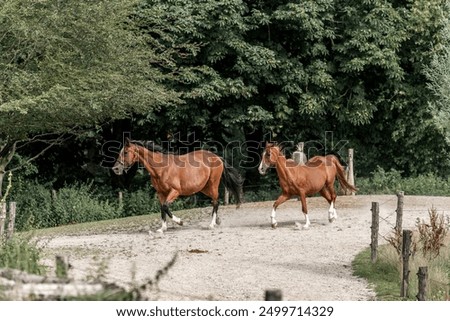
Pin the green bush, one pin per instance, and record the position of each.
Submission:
(77, 204)
(33, 205)
(38, 208)
(390, 182)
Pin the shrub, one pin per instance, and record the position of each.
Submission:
(77, 204)
(34, 205)
(390, 182)
(38, 208)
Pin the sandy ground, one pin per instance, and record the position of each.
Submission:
(244, 256)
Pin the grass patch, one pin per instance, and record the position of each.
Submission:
(381, 275)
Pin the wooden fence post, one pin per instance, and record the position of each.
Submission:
(350, 175)
(406, 252)
(120, 195)
(11, 220)
(273, 295)
(2, 218)
(422, 274)
(299, 156)
(226, 198)
(62, 266)
(375, 226)
(399, 210)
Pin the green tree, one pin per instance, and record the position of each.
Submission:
(438, 74)
(384, 50)
(299, 68)
(69, 64)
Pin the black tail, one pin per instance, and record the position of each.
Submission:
(233, 182)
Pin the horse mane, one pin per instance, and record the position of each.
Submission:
(150, 145)
(338, 156)
(280, 146)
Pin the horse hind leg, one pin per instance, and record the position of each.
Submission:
(330, 196)
(215, 217)
(211, 190)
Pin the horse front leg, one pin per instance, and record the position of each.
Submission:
(165, 211)
(305, 210)
(281, 199)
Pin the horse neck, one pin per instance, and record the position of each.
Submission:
(152, 161)
(281, 168)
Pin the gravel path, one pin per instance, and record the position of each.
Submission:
(244, 256)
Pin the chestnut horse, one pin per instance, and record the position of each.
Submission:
(316, 176)
(181, 175)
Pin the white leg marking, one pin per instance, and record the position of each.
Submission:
(177, 220)
(332, 215)
(306, 226)
(272, 218)
(163, 227)
(213, 221)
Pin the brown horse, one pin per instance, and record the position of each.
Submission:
(316, 176)
(181, 175)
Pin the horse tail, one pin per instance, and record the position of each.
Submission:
(340, 173)
(233, 182)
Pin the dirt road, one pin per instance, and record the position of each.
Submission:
(244, 256)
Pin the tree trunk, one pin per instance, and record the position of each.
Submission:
(2, 174)
(7, 152)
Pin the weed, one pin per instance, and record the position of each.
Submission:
(432, 234)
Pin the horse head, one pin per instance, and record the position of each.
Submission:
(127, 157)
(269, 157)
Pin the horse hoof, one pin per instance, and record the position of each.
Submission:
(160, 231)
(180, 223)
(274, 225)
(331, 220)
(211, 227)
(218, 221)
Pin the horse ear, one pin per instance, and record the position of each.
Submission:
(127, 141)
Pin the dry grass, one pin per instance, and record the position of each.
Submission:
(433, 234)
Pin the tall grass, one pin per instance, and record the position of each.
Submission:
(21, 254)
